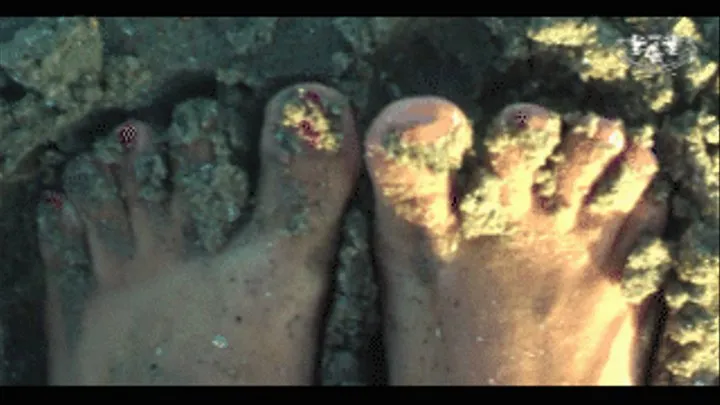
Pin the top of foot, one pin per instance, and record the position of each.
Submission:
(529, 294)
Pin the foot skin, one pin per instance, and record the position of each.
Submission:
(156, 311)
(534, 301)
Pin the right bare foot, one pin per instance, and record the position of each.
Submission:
(514, 286)
(157, 312)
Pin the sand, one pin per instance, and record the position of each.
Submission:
(65, 82)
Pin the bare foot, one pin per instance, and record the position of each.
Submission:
(156, 311)
(518, 284)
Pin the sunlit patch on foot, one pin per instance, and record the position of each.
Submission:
(518, 143)
(588, 149)
(413, 150)
(537, 302)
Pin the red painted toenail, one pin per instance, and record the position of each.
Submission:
(521, 119)
(307, 130)
(312, 97)
(127, 134)
(54, 199)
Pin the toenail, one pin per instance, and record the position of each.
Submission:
(521, 119)
(312, 119)
(54, 199)
(307, 131)
(312, 97)
(523, 116)
(444, 151)
(126, 135)
(529, 128)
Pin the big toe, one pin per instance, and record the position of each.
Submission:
(413, 150)
(310, 160)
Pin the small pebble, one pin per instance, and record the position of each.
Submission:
(220, 342)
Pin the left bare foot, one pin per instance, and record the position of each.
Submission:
(159, 313)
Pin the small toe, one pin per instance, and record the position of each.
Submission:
(143, 185)
(617, 194)
(519, 142)
(61, 234)
(648, 219)
(193, 168)
(209, 191)
(92, 190)
(588, 149)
